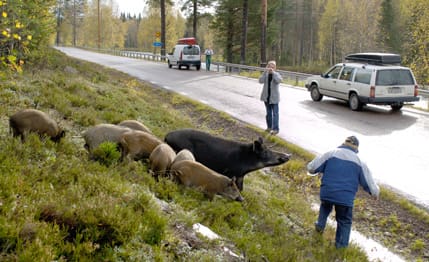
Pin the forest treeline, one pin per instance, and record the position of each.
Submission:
(303, 35)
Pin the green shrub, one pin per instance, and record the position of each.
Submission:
(107, 153)
(418, 245)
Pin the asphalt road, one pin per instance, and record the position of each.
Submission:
(393, 144)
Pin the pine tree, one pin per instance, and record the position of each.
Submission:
(389, 36)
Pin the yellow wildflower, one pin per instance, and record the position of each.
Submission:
(18, 24)
(16, 36)
(29, 37)
(5, 33)
(4, 14)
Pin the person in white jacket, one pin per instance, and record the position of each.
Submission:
(208, 52)
(342, 173)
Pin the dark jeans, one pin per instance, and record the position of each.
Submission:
(343, 216)
(208, 62)
(272, 116)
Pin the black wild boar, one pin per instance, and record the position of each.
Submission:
(194, 174)
(227, 157)
(32, 120)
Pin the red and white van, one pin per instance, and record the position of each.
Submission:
(185, 53)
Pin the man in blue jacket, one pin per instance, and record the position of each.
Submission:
(342, 173)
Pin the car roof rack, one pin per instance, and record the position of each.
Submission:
(375, 58)
(187, 41)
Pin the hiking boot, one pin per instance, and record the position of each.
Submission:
(318, 229)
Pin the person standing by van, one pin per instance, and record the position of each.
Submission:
(271, 96)
(209, 52)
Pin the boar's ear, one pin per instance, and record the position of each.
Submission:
(257, 144)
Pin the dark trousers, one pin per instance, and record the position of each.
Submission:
(343, 216)
(272, 116)
(208, 62)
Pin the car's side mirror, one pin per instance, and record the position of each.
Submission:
(170, 53)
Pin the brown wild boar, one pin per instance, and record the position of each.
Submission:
(100, 133)
(135, 125)
(160, 160)
(184, 154)
(138, 144)
(32, 120)
(195, 174)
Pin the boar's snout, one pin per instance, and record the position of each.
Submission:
(283, 158)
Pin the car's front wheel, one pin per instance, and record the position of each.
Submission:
(169, 65)
(354, 102)
(315, 94)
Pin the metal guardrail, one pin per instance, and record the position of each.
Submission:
(237, 68)
(424, 92)
(133, 54)
(218, 66)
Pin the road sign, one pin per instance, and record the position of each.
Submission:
(157, 44)
(158, 34)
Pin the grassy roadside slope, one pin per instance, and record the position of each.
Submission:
(55, 204)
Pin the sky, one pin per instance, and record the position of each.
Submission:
(130, 6)
(134, 6)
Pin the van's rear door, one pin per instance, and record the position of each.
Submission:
(191, 53)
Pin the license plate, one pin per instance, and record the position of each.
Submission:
(394, 90)
(190, 56)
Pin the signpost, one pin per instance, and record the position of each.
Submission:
(157, 42)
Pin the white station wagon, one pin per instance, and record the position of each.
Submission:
(367, 78)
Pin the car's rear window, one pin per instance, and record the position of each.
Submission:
(394, 77)
(191, 50)
(363, 76)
